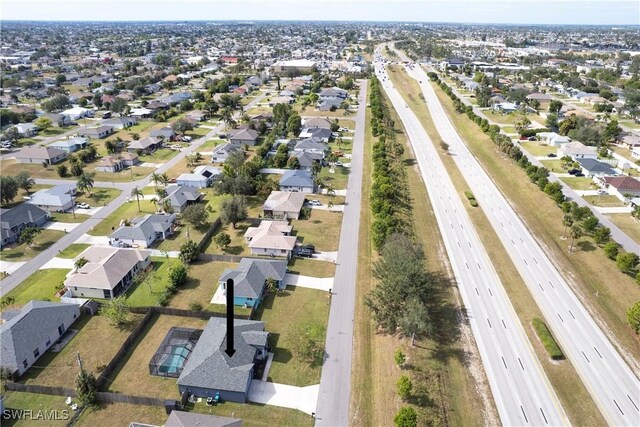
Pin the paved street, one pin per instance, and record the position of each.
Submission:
(41, 259)
(612, 384)
(335, 382)
(521, 390)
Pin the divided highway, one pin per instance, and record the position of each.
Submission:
(610, 381)
(521, 390)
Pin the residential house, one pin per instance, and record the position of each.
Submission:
(306, 159)
(121, 122)
(181, 196)
(222, 152)
(165, 133)
(505, 107)
(330, 104)
(243, 136)
(110, 164)
(197, 115)
(271, 238)
(202, 177)
(58, 198)
(108, 272)
(76, 113)
(26, 129)
(298, 180)
(577, 150)
(321, 134)
(192, 419)
(629, 140)
(145, 145)
(543, 98)
(70, 145)
(32, 331)
(553, 139)
(253, 81)
(58, 120)
(144, 232)
(451, 62)
(176, 98)
(283, 204)
(332, 93)
(250, 279)
(635, 153)
(210, 372)
(288, 100)
(317, 122)
(593, 167)
(16, 219)
(96, 132)
(40, 155)
(623, 187)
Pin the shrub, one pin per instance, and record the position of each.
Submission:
(400, 357)
(611, 250)
(547, 339)
(404, 387)
(195, 306)
(178, 275)
(627, 261)
(406, 417)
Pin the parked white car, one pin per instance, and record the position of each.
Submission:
(315, 203)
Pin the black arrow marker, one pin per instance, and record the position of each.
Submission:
(230, 350)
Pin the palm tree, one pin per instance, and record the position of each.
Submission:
(85, 183)
(567, 221)
(271, 285)
(136, 192)
(227, 116)
(164, 179)
(576, 233)
(166, 206)
(155, 178)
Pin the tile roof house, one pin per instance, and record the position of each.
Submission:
(40, 155)
(181, 196)
(622, 186)
(243, 136)
(58, 198)
(108, 273)
(202, 177)
(146, 145)
(333, 92)
(222, 152)
(577, 150)
(70, 145)
(31, 332)
(298, 180)
(144, 232)
(192, 419)
(209, 371)
(593, 167)
(250, 278)
(16, 219)
(272, 238)
(283, 204)
(117, 162)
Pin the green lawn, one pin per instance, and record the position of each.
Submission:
(147, 293)
(23, 252)
(69, 217)
(53, 131)
(73, 250)
(99, 197)
(627, 224)
(238, 244)
(555, 165)
(310, 267)
(537, 149)
(322, 229)
(124, 175)
(201, 285)
(604, 201)
(210, 145)
(338, 179)
(284, 315)
(41, 285)
(159, 156)
(580, 183)
(34, 403)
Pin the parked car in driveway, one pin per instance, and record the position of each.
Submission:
(311, 248)
(305, 253)
(315, 203)
(552, 155)
(574, 171)
(83, 206)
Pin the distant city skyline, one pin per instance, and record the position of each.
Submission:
(559, 12)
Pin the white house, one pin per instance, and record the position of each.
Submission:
(202, 177)
(577, 150)
(58, 198)
(271, 238)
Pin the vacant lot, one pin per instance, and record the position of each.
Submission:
(605, 201)
(310, 267)
(60, 369)
(322, 229)
(238, 245)
(201, 285)
(155, 282)
(627, 224)
(34, 403)
(127, 211)
(132, 377)
(24, 252)
(338, 179)
(580, 183)
(285, 315)
(41, 285)
(73, 250)
(121, 415)
(537, 149)
(98, 197)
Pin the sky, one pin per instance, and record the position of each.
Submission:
(602, 12)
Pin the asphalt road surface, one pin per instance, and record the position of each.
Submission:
(335, 381)
(521, 390)
(612, 384)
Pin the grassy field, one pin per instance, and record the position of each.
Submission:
(627, 224)
(133, 173)
(310, 267)
(121, 415)
(132, 376)
(338, 179)
(35, 402)
(98, 197)
(201, 285)
(555, 165)
(605, 201)
(159, 156)
(147, 293)
(210, 145)
(580, 183)
(537, 149)
(322, 229)
(127, 211)
(284, 315)
(511, 119)
(40, 285)
(69, 217)
(60, 369)
(373, 401)
(24, 252)
(238, 245)
(73, 250)
(588, 271)
(570, 390)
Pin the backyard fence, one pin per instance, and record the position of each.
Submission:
(217, 257)
(127, 398)
(40, 389)
(207, 236)
(168, 311)
(103, 379)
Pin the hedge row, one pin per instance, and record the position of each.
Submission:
(547, 339)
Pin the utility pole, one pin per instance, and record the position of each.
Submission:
(79, 359)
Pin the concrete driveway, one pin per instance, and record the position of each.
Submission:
(10, 267)
(326, 256)
(57, 262)
(322, 284)
(60, 226)
(286, 396)
(334, 208)
(93, 240)
(614, 210)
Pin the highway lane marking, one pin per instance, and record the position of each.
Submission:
(505, 364)
(551, 284)
(585, 356)
(489, 289)
(525, 415)
(633, 403)
(560, 317)
(618, 406)
(543, 416)
(477, 292)
(541, 287)
(574, 317)
(598, 353)
(505, 326)
(489, 322)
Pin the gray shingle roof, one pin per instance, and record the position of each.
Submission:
(179, 195)
(21, 214)
(210, 367)
(593, 165)
(192, 419)
(297, 178)
(251, 274)
(37, 321)
(145, 227)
